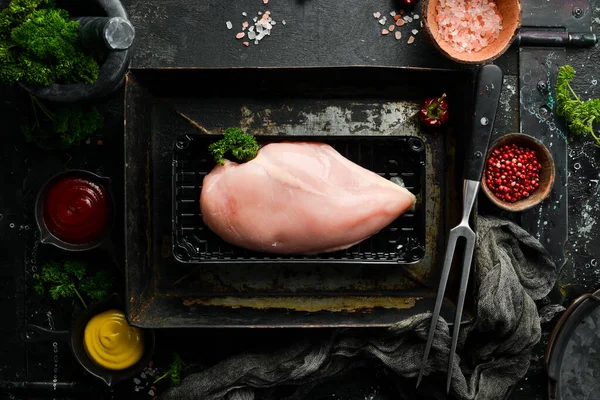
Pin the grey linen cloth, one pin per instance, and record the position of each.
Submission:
(513, 270)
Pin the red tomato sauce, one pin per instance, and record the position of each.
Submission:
(77, 210)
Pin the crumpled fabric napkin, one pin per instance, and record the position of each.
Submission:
(513, 270)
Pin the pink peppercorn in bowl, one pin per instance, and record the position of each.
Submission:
(469, 31)
(519, 172)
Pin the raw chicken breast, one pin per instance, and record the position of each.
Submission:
(299, 198)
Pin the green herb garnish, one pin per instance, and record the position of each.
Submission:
(242, 145)
(68, 279)
(40, 45)
(174, 372)
(579, 115)
(61, 126)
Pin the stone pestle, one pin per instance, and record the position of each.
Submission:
(112, 34)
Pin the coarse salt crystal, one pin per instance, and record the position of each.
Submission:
(245, 14)
(416, 16)
(260, 13)
(251, 29)
(229, 24)
(382, 21)
(251, 34)
(255, 19)
(265, 1)
(400, 22)
(411, 40)
(384, 31)
(377, 14)
(391, 28)
(468, 26)
(408, 19)
(414, 31)
(398, 35)
(393, 13)
(244, 25)
(240, 35)
(246, 43)
(283, 21)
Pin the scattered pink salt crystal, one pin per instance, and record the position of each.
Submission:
(377, 14)
(398, 35)
(246, 44)
(400, 22)
(265, 1)
(240, 35)
(411, 40)
(391, 28)
(244, 25)
(384, 31)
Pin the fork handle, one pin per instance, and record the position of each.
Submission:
(487, 98)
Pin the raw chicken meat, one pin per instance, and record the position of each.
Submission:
(299, 198)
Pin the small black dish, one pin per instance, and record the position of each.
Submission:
(47, 237)
(74, 338)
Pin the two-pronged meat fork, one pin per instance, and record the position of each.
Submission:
(487, 97)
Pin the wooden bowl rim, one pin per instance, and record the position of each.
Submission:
(515, 207)
(432, 39)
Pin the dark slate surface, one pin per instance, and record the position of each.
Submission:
(193, 34)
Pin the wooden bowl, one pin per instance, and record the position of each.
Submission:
(547, 174)
(512, 14)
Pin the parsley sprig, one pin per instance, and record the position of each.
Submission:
(69, 279)
(579, 115)
(174, 372)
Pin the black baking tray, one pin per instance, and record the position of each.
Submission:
(399, 158)
(365, 105)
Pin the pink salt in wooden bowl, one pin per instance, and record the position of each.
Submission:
(512, 14)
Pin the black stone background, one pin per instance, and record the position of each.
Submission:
(190, 33)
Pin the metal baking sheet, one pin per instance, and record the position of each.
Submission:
(322, 103)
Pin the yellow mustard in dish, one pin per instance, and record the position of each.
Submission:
(111, 342)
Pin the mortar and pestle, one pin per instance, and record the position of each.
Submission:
(113, 33)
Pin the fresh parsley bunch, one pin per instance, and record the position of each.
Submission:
(69, 279)
(40, 45)
(60, 125)
(579, 115)
(242, 146)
